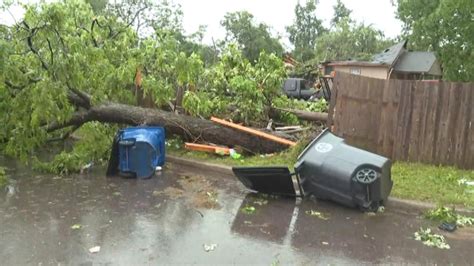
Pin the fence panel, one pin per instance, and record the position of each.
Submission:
(418, 121)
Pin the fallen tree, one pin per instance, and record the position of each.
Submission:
(63, 67)
(190, 128)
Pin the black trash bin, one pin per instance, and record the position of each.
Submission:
(328, 169)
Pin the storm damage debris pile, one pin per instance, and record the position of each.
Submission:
(238, 130)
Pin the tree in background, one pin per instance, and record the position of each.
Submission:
(443, 26)
(350, 40)
(305, 30)
(340, 12)
(251, 37)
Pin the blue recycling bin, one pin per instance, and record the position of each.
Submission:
(141, 150)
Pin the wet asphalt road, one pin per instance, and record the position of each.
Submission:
(169, 218)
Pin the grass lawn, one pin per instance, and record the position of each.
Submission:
(438, 184)
(415, 181)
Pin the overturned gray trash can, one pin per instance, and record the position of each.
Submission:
(328, 169)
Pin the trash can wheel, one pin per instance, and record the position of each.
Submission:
(366, 176)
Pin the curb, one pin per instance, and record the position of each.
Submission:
(218, 168)
(227, 170)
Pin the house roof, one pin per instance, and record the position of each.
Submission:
(416, 62)
(390, 55)
(398, 58)
(352, 63)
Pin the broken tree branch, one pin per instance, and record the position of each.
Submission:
(305, 115)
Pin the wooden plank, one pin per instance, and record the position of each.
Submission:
(391, 103)
(253, 132)
(468, 162)
(445, 141)
(429, 127)
(460, 137)
(465, 157)
(404, 121)
(417, 119)
(454, 122)
(439, 112)
(207, 148)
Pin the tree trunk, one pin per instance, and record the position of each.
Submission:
(190, 128)
(305, 115)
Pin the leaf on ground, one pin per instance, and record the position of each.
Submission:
(76, 226)
(209, 247)
(430, 239)
(248, 209)
(317, 214)
(445, 214)
(95, 249)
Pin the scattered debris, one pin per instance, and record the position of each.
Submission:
(261, 202)
(212, 196)
(380, 209)
(76, 226)
(199, 191)
(234, 155)
(448, 227)
(465, 182)
(248, 209)
(449, 215)
(158, 168)
(287, 128)
(325, 243)
(10, 189)
(95, 249)
(253, 132)
(291, 129)
(86, 168)
(317, 214)
(209, 247)
(174, 143)
(430, 239)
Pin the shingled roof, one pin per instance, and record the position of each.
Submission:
(416, 62)
(390, 55)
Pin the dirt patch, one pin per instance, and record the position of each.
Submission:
(195, 190)
(201, 192)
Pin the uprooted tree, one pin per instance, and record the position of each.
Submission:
(65, 69)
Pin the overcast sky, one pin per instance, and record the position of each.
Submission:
(275, 13)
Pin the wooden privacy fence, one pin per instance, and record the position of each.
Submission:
(420, 121)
